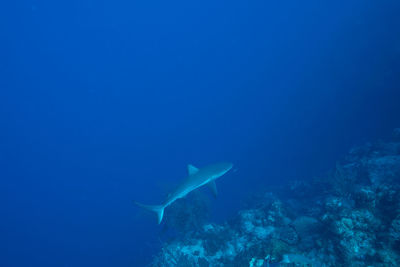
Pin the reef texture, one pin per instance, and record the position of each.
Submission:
(348, 217)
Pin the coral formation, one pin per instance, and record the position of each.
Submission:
(349, 217)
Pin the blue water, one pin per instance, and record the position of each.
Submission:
(105, 102)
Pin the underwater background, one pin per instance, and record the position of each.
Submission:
(106, 102)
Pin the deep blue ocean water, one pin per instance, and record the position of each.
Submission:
(105, 102)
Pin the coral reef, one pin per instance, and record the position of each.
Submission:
(349, 217)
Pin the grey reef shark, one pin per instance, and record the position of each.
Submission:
(197, 177)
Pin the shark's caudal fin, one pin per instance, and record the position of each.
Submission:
(159, 210)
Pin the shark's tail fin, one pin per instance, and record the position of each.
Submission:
(159, 210)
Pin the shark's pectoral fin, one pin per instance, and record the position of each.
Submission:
(192, 169)
(213, 188)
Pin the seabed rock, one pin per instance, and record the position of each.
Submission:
(350, 217)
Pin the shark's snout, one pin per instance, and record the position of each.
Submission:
(227, 165)
(224, 167)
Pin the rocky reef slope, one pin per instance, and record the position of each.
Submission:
(348, 217)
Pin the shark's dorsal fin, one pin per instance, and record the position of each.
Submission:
(192, 169)
(213, 188)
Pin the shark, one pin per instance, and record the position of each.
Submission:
(197, 177)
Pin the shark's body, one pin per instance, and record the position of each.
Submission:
(196, 178)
